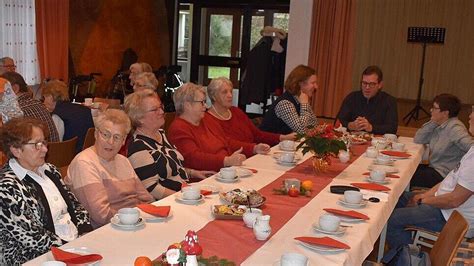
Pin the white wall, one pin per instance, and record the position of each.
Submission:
(299, 33)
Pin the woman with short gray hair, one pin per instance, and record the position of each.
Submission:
(234, 121)
(145, 80)
(201, 140)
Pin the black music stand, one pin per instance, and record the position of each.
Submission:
(422, 35)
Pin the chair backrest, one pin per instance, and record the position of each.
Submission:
(169, 117)
(89, 140)
(113, 103)
(407, 131)
(449, 240)
(60, 154)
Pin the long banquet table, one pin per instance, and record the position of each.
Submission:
(122, 247)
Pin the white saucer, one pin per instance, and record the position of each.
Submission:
(115, 221)
(389, 163)
(180, 199)
(278, 263)
(340, 231)
(386, 181)
(322, 249)
(155, 219)
(242, 172)
(362, 204)
(386, 168)
(226, 180)
(277, 155)
(287, 149)
(286, 163)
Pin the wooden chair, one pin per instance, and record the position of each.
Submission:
(89, 140)
(60, 154)
(113, 103)
(446, 244)
(169, 117)
(406, 131)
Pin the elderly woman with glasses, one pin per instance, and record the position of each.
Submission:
(103, 180)
(447, 138)
(292, 112)
(233, 121)
(201, 140)
(37, 211)
(157, 162)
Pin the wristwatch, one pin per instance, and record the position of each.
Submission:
(418, 202)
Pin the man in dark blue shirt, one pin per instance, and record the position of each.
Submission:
(370, 109)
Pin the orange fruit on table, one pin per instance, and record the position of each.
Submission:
(143, 261)
(307, 185)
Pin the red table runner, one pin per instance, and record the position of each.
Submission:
(232, 240)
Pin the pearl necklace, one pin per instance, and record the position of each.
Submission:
(221, 116)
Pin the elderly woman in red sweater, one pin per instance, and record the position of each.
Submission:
(234, 121)
(201, 140)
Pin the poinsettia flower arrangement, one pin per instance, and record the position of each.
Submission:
(322, 140)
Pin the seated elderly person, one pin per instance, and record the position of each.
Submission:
(70, 119)
(292, 111)
(431, 209)
(370, 109)
(31, 107)
(37, 211)
(200, 139)
(9, 107)
(233, 121)
(145, 80)
(156, 161)
(447, 139)
(103, 180)
(137, 68)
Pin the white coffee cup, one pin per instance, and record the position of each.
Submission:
(397, 146)
(383, 159)
(191, 192)
(128, 215)
(293, 259)
(371, 152)
(329, 222)
(352, 196)
(344, 156)
(287, 157)
(378, 175)
(287, 145)
(88, 101)
(250, 215)
(390, 137)
(379, 143)
(228, 172)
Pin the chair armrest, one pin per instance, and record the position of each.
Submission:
(414, 228)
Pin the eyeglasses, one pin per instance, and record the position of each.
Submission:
(370, 85)
(38, 144)
(203, 102)
(106, 135)
(160, 107)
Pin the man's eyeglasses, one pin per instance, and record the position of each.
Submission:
(203, 102)
(106, 135)
(38, 144)
(369, 84)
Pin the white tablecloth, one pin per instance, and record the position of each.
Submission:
(122, 247)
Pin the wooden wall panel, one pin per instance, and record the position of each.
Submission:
(382, 27)
(100, 30)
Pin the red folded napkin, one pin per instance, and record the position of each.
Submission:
(323, 241)
(371, 186)
(73, 258)
(203, 191)
(388, 175)
(396, 154)
(352, 214)
(160, 211)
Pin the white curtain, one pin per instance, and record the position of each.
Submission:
(18, 37)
